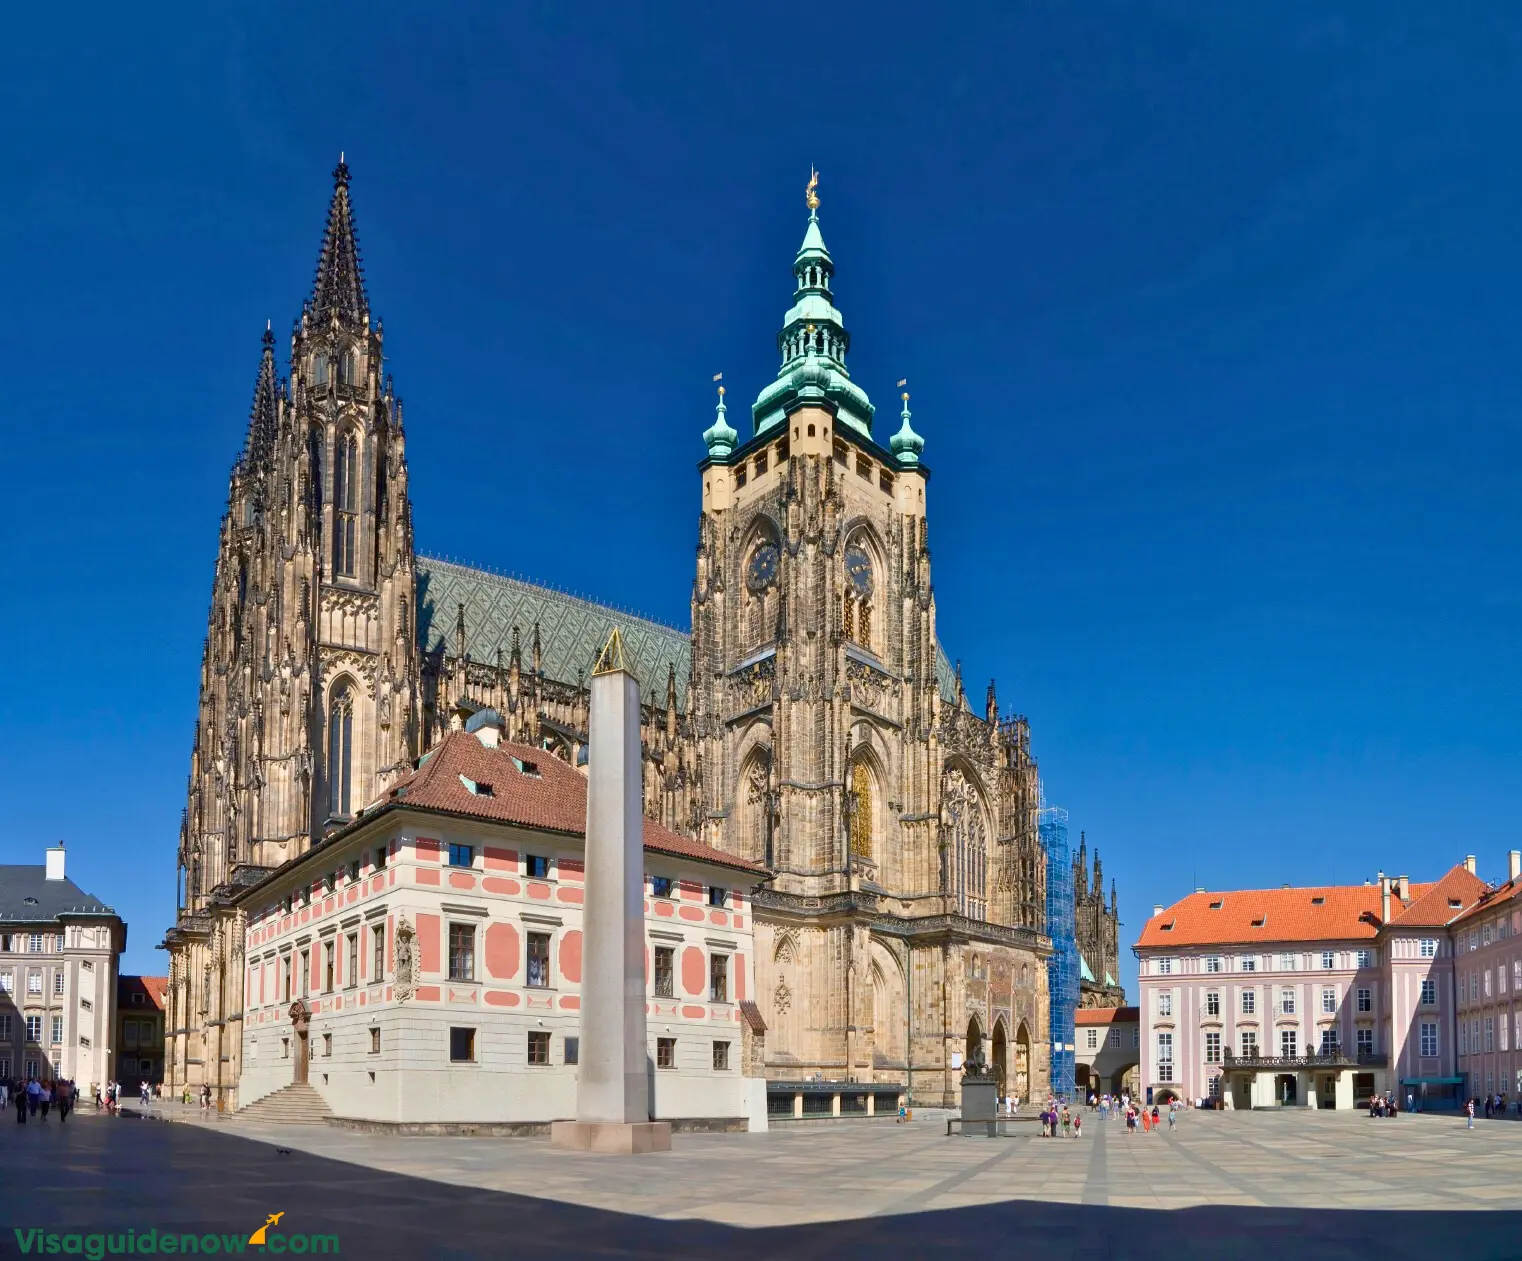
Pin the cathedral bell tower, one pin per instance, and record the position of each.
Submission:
(814, 659)
(309, 674)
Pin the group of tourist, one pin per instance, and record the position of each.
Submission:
(37, 1098)
(1054, 1115)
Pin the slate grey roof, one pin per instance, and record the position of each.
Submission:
(53, 898)
(571, 630)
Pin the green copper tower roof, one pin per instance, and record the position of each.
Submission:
(720, 437)
(813, 343)
(906, 445)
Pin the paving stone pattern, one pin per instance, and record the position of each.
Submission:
(1248, 1184)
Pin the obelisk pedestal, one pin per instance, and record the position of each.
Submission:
(612, 1089)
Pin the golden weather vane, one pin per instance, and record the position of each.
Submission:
(810, 197)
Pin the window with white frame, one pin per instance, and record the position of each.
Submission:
(1363, 1040)
(1289, 1043)
(1474, 987)
(1288, 962)
(34, 982)
(1212, 1048)
(1365, 999)
(1463, 1037)
(1474, 938)
(1287, 1002)
(1328, 959)
(1490, 1033)
(1328, 1000)
(58, 980)
(1115, 1038)
(1213, 1003)
(1474, 1037)
(1429, 992)
(1249, 1002)
(1502, 1028)
(1092, 1039)
(1330, 1042)
(1165, 967)
(1249, 1039)
(1500, 978)
(1484, 934)
(1164, 1003)
(1428, 947)
(1212, 963)
(1365, 959)
(1429, 1038)
(1249, 963)
(1136, 1038)
(1487, 983)
(1165, 1057)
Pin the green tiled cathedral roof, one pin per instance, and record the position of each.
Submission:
(571, 630)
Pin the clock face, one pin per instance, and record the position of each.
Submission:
(859, 572)
(762, 570)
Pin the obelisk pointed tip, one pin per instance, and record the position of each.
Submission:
(611, 659)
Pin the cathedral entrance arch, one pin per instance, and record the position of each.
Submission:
(1022, 1062)
(1000, 1057)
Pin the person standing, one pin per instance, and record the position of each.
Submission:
(19, 1099)
(45, 1100)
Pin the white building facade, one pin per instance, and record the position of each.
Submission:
(59, 949)
(423, 965)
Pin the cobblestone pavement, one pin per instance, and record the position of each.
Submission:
(1312, 1184)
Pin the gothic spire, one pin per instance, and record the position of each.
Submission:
(263, 418)
(340, 284)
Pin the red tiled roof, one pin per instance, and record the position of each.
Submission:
(1435, 907)
(1321, 913)
(155, 987)
(527, 786)
(1489, 900)
(1106, 1015)
(1344, 912)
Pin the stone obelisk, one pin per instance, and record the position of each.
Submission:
(612, 1088)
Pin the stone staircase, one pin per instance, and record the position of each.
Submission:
(296, 1104)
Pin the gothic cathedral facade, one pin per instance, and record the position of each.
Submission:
(809, 720)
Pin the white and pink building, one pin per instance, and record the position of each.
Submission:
(1320, 996)
(422, 966)
(1487, 964)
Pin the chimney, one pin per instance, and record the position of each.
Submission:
(1513, 864)
(55, 861)
(1469, 863)
(1384, 898)
(1403, 885)
(1157, 910)
(487, 727)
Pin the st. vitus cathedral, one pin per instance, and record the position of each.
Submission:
(810, 720)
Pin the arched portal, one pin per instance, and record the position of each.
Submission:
(1000, 1059)
(1022, 1062)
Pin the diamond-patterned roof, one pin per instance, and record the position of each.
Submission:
(571, 630)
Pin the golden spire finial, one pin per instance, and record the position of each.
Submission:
(810, 197)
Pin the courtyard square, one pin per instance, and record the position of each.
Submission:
(1225, 1185)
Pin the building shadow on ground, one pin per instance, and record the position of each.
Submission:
(107, 1177)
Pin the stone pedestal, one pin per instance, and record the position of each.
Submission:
(614, 1139)
(612, 1082)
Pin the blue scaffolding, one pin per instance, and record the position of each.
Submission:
(1062, 967)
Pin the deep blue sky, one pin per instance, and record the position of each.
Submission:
(1210, 313)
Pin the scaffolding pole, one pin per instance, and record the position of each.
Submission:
(1062, 967)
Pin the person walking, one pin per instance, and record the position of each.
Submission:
(45, 1101)
(65, 1100)
(33, 1096)
(1469, 1108)
(19, 1099)
(1078, 1126)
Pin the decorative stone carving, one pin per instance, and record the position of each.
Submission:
(406, 959)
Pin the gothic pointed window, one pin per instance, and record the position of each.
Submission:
(964, 833)
(341, 751)
(320, 368)
(856, 617)
(345, 505)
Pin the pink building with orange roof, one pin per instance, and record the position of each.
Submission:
(422, 965)
(1321, 996)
